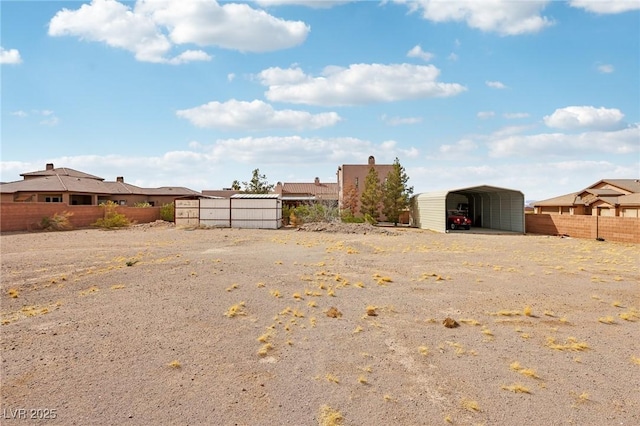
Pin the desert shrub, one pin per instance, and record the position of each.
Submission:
(167, 212)
(112, 219)
(142, 204)
(57, 222)
(370, 219)
(315, 212)
(348, 217)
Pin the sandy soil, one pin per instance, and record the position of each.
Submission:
(230, 327)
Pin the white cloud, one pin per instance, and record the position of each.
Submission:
(204, 23)
(356, 85)
(606, 6)
(505, 17)
(548, 145)
(452, 57)
(189, 56)
(50, 118)
(10, 56)
(605, 68)
(314, 4)
(231, 77)
(417, 52)
(400, 121)
(585, 117)
(483, 115)
(462, 147)
(495, 84)
(255, 115)
(515, 115)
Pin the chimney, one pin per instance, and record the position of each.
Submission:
(372, 160)
(317, 181)
(120, 179)
(49, 166)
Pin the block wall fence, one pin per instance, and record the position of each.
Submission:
(620, 229)
(27, 216)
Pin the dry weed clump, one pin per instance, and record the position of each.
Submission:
(371, 311)
(529, 372)
(516, 388)
(235, 310)
(13, 293)
(470, 405)
(329, 417)
(571, 344)
(333, 312)
(175, 364)
(607, 320)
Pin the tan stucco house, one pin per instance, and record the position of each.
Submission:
(607, 197)
(73, 187)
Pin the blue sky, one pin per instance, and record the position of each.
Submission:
(543, 96)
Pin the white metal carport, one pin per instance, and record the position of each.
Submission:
(489, 207)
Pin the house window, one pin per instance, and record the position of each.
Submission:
(53, 199)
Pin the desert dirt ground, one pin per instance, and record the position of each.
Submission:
(158, 325)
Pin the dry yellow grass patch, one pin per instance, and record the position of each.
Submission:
(423, 350)
(312, 303)
(528, 311)
(235, 310)
(517, 388)
(331, 378)
(529, 372)
(264, 350)
(470, 405)
(506, 313)
(371, 311)
(469, 321)
(358, 329)
(117, 286)
(607, 320)
(362, 379)
(487, 332)
(275, 293)
(175, 364)
(90, 290)
(616, 304)
(629, 316)
(635, 360)
(232, 287)
(329, 417)
(571, 344)
(13, 293)
(297, 296)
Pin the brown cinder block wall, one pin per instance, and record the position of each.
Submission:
(621, 229)
(27, 216)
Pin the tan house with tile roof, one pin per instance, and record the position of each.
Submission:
(607, 197)
(294, 193)
(73, 187)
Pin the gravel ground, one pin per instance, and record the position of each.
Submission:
(338, 324)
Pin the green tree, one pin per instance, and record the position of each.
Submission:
(372, 195)
(396, 193)
(236, 185)
(258, 184)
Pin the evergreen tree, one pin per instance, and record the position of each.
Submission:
(396, 193)
(372, 195)
(258, 184)
(236, 185)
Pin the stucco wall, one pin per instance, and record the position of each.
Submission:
(27, 216)
(622, 229)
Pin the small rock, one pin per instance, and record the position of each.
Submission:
(450, 323)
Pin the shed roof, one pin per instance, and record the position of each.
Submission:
(266, 196)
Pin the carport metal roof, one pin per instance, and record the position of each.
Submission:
(489, 207)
